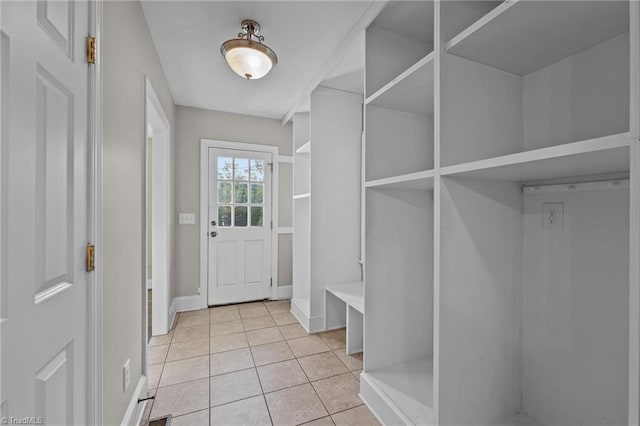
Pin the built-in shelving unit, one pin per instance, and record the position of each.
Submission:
(399, 135)
(326, 200)
(301, 248)
(502, 213)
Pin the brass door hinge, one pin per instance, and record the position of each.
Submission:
(91, 257)
(91, 50)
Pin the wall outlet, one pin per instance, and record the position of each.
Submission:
(126, 375)
(553, 215)
(186, 219)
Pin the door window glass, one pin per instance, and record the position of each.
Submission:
(240, 192)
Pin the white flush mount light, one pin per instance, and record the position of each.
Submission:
(247, 55)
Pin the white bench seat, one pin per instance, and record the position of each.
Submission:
(344, 307)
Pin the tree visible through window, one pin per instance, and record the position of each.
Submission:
(240, 192)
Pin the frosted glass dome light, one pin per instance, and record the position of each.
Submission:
(246, 55)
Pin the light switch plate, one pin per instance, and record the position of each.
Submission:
(186, 219)
(553, 215)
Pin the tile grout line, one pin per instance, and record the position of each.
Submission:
(209, 365)
(155, 394)
(309, 382)
(264, 398)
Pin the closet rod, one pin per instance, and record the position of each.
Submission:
(579, 186)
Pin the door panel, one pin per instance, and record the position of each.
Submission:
(54, 385)
(239, 225)
(227, 263)
(253, 261)
(54, 180)
(43, 208)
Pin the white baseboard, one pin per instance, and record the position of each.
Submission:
(135, 409)
(172, 314)
(310, 324)
(300, 314)
(316, 324)
(283, 292)
(188, 303)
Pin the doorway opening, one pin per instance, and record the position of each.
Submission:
(157, 214)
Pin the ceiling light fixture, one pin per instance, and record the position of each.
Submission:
(247, 55)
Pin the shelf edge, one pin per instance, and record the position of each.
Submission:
(401, 77)
(477, 25)
(305, 148)
(408, 177)
(557, 151)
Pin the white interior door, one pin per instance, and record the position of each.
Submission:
(239, 225)
(44, 309)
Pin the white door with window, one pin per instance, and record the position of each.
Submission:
(44, 105)
(239, 225)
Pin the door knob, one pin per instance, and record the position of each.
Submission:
(213, 234)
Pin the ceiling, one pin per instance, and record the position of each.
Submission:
(306, 36)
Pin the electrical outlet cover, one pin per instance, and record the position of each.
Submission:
(553, 215)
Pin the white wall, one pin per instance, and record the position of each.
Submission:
(128, 54)
(581, 97)
(193, 124)
(575, 310)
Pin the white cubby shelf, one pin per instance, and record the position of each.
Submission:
(482, 307)
(523, 36)
(600, 156)
(419, 180)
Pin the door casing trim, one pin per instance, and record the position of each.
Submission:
(94, 228)
(205, 144)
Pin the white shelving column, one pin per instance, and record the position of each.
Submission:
(327, 200)
(397, 382)
(300, 300)
(534, 315)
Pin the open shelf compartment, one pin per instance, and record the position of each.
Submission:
(534, 312)
(400, 35)
(399, 300)
(569, 81)
(523, 36)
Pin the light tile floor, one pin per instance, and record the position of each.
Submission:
(253, 364)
